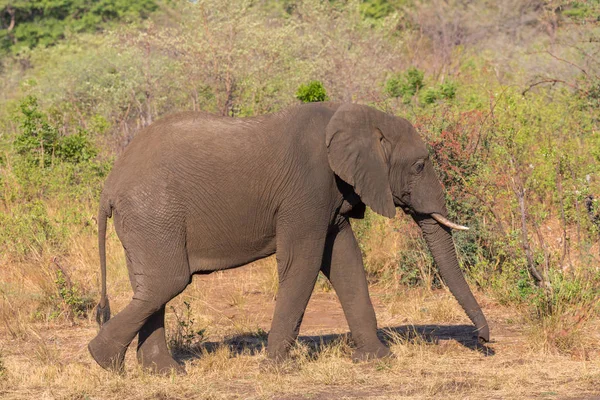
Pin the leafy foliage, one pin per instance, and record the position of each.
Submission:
(38, 138)
(446, 91)
(405, 84)
(69, 300)
(377, 9)
(40, 142)
(31, 23)
(312, 92)
(76, 148)
(186, 333)
(581, 11)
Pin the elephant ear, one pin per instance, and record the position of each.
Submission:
(357, 156)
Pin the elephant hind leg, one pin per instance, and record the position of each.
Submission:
(143, 314)
(152, 351)
(154, 286)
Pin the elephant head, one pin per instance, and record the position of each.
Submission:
(388, 165)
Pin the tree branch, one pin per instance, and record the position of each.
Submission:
(11, 12)
(568, 62)
(520, 192)
(553, 81)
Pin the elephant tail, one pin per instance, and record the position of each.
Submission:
(103, 308)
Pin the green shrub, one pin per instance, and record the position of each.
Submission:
(45, 22)
(312, 92)
(37, 139)
(187, 334)
(582, 12)
(430, 96)
(448, 90)
(405, 84)
(76, 148)
(40, 142)
(376, 9)
(69, 301)
(46, 169)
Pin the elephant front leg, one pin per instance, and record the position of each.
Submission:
(298, 265)
(343, 266)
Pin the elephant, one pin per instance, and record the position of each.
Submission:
(195, 193)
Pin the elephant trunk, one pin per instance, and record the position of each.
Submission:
(439, 240)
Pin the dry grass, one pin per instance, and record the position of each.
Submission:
(62, 369)
(48, 358)
(43, 354)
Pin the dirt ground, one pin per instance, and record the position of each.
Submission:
(436, 356)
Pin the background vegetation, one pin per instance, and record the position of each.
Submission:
(506, 94)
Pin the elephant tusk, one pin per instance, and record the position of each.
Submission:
(444, 221)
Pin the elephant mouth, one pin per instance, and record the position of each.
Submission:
(437, 216)
(402, 203)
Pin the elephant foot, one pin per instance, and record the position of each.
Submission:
(368, 354)
(278, 351)
(109, 354)
(278, 365)
(278, 359)
(159, 363)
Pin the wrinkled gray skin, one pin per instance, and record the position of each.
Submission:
(195, 193)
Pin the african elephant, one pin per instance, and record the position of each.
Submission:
(195, 193)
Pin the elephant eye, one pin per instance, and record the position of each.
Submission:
(419, 166)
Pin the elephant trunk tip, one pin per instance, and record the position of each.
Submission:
(103, 313)
(483, 333)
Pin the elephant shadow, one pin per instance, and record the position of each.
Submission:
(254, 343)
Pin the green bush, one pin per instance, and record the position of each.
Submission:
(37, 139)
(377, 9)
(430, 96)
(416, 266)
(448, 90)
(45, 22)
(312, 92)
(46, 169)
(186, 335)
(69, 301)
(40, 142)
(76, 148)
(405, 84)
